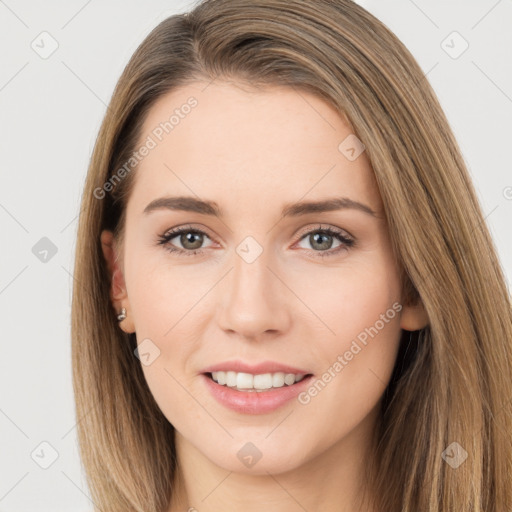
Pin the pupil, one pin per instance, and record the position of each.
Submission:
(188, 238)
(324, 245)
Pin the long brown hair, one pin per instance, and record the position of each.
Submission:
(452, 381)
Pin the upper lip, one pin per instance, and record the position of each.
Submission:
(255, 369)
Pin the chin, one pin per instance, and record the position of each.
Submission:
(256, 454)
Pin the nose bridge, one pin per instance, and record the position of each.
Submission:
(254, 301)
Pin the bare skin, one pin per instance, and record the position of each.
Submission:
(253, 153)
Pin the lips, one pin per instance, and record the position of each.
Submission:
(254, 369)
(255, 401)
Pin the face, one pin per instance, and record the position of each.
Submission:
(272, 264)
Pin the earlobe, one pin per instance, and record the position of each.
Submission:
(118, 293)
(414, 317)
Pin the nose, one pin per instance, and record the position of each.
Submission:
(254, 300)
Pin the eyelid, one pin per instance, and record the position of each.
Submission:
(321, 227)
(190, 227)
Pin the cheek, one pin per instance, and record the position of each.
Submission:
(167, 315)
(360, 311)
(349, 299)
(176, 397)
(172, 317)
(355, 374)
(159, 294)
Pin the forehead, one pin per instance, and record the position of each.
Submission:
(223, 140)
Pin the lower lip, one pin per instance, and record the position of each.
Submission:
(255, 402)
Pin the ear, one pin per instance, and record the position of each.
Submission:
(118, 293)
(414, 317)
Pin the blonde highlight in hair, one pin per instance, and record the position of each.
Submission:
(452, 380)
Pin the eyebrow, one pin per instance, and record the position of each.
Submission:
(192, 204)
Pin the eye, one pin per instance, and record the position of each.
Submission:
(322, 239)
(190, 239)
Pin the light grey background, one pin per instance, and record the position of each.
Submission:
(51, 111)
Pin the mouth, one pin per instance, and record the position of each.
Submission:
(255, 392)
(256, 383)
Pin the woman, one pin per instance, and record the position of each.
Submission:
(286, 294)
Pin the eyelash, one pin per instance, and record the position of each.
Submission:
(346, 242)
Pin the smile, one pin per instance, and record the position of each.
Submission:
(248, 382)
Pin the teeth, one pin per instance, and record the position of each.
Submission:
(230, 379)
(244, 380)
(278, 380)
(249, 382)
